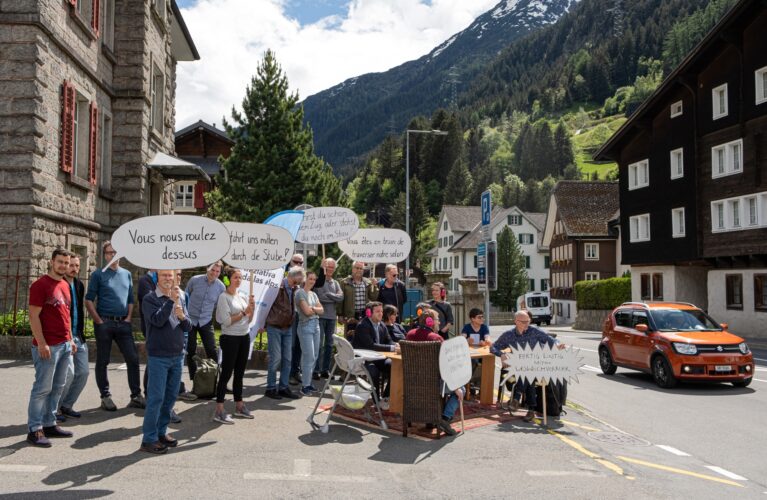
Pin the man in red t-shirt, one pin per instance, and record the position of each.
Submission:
(52, 348)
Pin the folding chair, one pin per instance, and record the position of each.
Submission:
(352, 394)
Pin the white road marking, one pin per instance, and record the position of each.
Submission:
(302, 467)
(591, 368)
(21, 468)
(673, 450)
(759, 380)
(260, 476)
(559, 473)
(760, 359)
(726, 473)
(584, 349)
(123, 366)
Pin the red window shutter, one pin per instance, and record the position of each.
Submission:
(68, 109)
(92, 142)
(73, 3)
(95, 16)
(199, 191)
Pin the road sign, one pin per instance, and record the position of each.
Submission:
(487, 208)
(481, 266)
(491, 263)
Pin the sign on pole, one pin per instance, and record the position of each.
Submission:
(491, 263)
(481, 265)
(487, 209)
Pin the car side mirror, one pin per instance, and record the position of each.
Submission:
(642, 328)
(724, 326)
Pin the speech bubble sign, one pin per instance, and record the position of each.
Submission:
(327, 225)
(377, 245)
(455, 362)
(258, 246)
(170, 241)
(542, 362)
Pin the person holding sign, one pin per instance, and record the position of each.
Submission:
(428, 326)
(202, 292)
(443, 308)
(234, 312)
(166, 321)
(309, 308)
(109, 301)
(520, 336)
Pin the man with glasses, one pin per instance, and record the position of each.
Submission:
(391, 291)
(518, 337)
(358, 291)
(112, 291)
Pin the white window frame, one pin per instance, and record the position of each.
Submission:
(676, 109)
(760, 85)
(514, 220)
(676, 157)
(591, 251)
(718, 96)
(639, 174)
(678, 229)
(188, 196)
(639, 228)
(157, 91)
(731, 153)
(591, 276)
(739, 213)
(526, 238)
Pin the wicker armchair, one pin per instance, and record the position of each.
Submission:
(422, 397)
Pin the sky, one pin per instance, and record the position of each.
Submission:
(318, 43)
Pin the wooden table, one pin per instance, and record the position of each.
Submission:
(486, 391)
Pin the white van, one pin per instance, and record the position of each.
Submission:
(538, 304)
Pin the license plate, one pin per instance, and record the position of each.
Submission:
(723, 368)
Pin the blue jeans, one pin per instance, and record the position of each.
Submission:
(309, 336)
(280, 353)
(76, 384)
(50, 378)
(327, 332)
(164, 377)
(122, 333)
(295, 363)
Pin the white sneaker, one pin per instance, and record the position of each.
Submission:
(384, 404)
(223, 418)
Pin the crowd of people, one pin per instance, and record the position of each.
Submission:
(300, 327)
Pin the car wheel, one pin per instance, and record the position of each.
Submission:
(743, 383)
(606, 361)
(662, 373)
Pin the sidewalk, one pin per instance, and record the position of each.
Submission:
(277, 455)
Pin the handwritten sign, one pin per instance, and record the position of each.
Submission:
(377, 245)
(545, 363)
(170, 241)
(258, 246)
(327, 225)
(455, 362)
(266, 284)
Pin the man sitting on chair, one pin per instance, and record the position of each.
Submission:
(518, 337)
(428, 326)
(372, 334)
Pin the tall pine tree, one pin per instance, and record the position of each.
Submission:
(512, 276)
(272, 166)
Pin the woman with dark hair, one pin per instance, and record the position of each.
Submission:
(476, 331)
(234, 312)
(396, 331)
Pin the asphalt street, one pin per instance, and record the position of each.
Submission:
(621, 437)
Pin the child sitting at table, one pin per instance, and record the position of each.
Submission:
(476, 331)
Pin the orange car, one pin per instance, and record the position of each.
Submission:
(673, 341)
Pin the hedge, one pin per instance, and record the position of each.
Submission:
(602, 294)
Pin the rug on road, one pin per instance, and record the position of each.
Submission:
(475, 415)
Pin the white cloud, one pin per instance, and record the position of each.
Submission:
(375, 35)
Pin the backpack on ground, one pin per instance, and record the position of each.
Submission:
(556, 397)
(205, 378)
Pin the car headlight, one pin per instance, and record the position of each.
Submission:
(743, 348)
(683, 348)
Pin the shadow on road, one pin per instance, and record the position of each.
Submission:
(337, 434)
(60, 494)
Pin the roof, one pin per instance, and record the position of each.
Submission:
(701, 53)
(585, 207)
(461, 218)
(201, 125)
(209, 164)
(182, 45)
(470, 240)
(176, 168)
(433, 252)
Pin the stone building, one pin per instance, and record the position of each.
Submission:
(87, 100)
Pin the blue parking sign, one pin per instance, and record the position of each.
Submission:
(486, 203)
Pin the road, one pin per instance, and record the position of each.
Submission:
(691, 434)
(621, 438)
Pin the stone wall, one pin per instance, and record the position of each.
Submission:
(590, 319)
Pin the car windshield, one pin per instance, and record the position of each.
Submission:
(537, 302)
(683, 320)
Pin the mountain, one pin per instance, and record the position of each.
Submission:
(351, 118)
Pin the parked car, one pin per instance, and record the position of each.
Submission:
(673, 341)
(538, 304)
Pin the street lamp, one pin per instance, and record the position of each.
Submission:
(407, 186)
